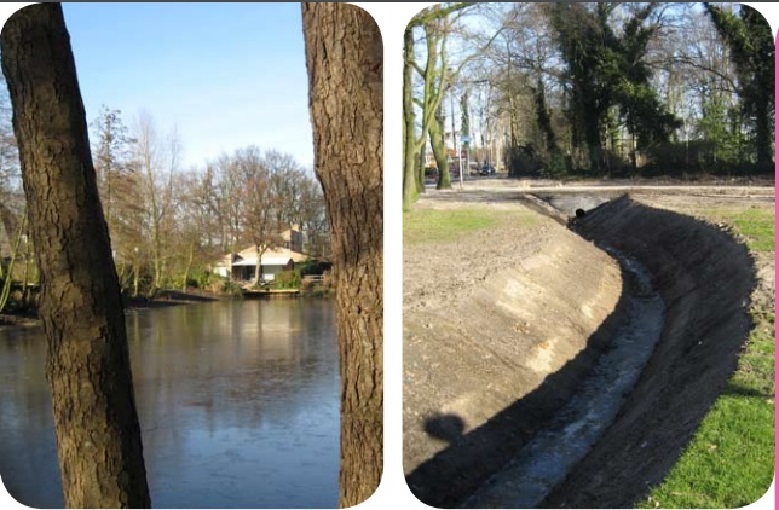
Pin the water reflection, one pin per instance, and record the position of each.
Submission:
(238, 403)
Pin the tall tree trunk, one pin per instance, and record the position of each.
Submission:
(5, 291)
(136, 275)
(344, 62)
(87, 361)
(419, 168)
(26, 277)
(409, 123)
(258, 250)
(439, 153)
(423, 165)
(156, 249)
(763, 134)
(188, 267)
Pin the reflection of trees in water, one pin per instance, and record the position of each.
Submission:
(27, 442)
(263, 368)
(238, 364)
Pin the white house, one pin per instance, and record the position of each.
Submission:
(241, 266)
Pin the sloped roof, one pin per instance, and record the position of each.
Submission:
(266, 261)
(275, 260)
(272, 256)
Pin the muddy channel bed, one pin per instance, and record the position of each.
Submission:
(491, 352)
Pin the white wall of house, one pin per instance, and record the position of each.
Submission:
(269, 272)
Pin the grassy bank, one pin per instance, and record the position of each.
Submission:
(730, 461)
(440, 225)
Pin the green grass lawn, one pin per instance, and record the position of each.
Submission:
(730, 461)
(435, 225)
(758, 226)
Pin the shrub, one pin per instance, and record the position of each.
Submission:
(287, 280)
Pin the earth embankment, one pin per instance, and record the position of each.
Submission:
(500, 324)
(472, 330)
(705, 278)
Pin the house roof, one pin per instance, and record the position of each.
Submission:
(275, 260)
(268, 259)
(285, 252)
(251, 253)
(272, 260)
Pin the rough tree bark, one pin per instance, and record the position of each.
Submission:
(344, 62)
(87, 361)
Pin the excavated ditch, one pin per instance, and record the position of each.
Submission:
(705, 278)
(493, 349)
(627, 424)
(549, 456)
(494, 353)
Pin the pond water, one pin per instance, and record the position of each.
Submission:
(238, 404)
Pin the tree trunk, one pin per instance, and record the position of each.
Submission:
(763, 136)
(188, 268)
(258, 264)
(439, 153)
(409, 123)
(344, 62)
(422, 166)
(5, 292)
(419, 171)
(87, 361)
(136, 277)
(26, 277)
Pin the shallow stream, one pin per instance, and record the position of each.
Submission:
(546, 460)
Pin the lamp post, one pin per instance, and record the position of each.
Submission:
(135, 271)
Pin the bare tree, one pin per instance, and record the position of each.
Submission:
(87, 361)
(286, 177)
(313, 217)
(110, 154)
(437, 25)
(259, 204)
(345, 66)
(228, 201)
(151, 151)
(190, 240)
(9, 154)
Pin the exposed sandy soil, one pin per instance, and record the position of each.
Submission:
(479, 336)
(473, 392)
(708, 282)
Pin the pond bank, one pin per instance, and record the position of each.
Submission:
(164, 298)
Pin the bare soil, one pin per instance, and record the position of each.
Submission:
(487, 318)
(500, 324)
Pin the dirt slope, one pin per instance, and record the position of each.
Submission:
(469, 397)
(499, 326)
(705, 278)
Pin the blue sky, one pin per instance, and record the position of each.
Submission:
(227, 74)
